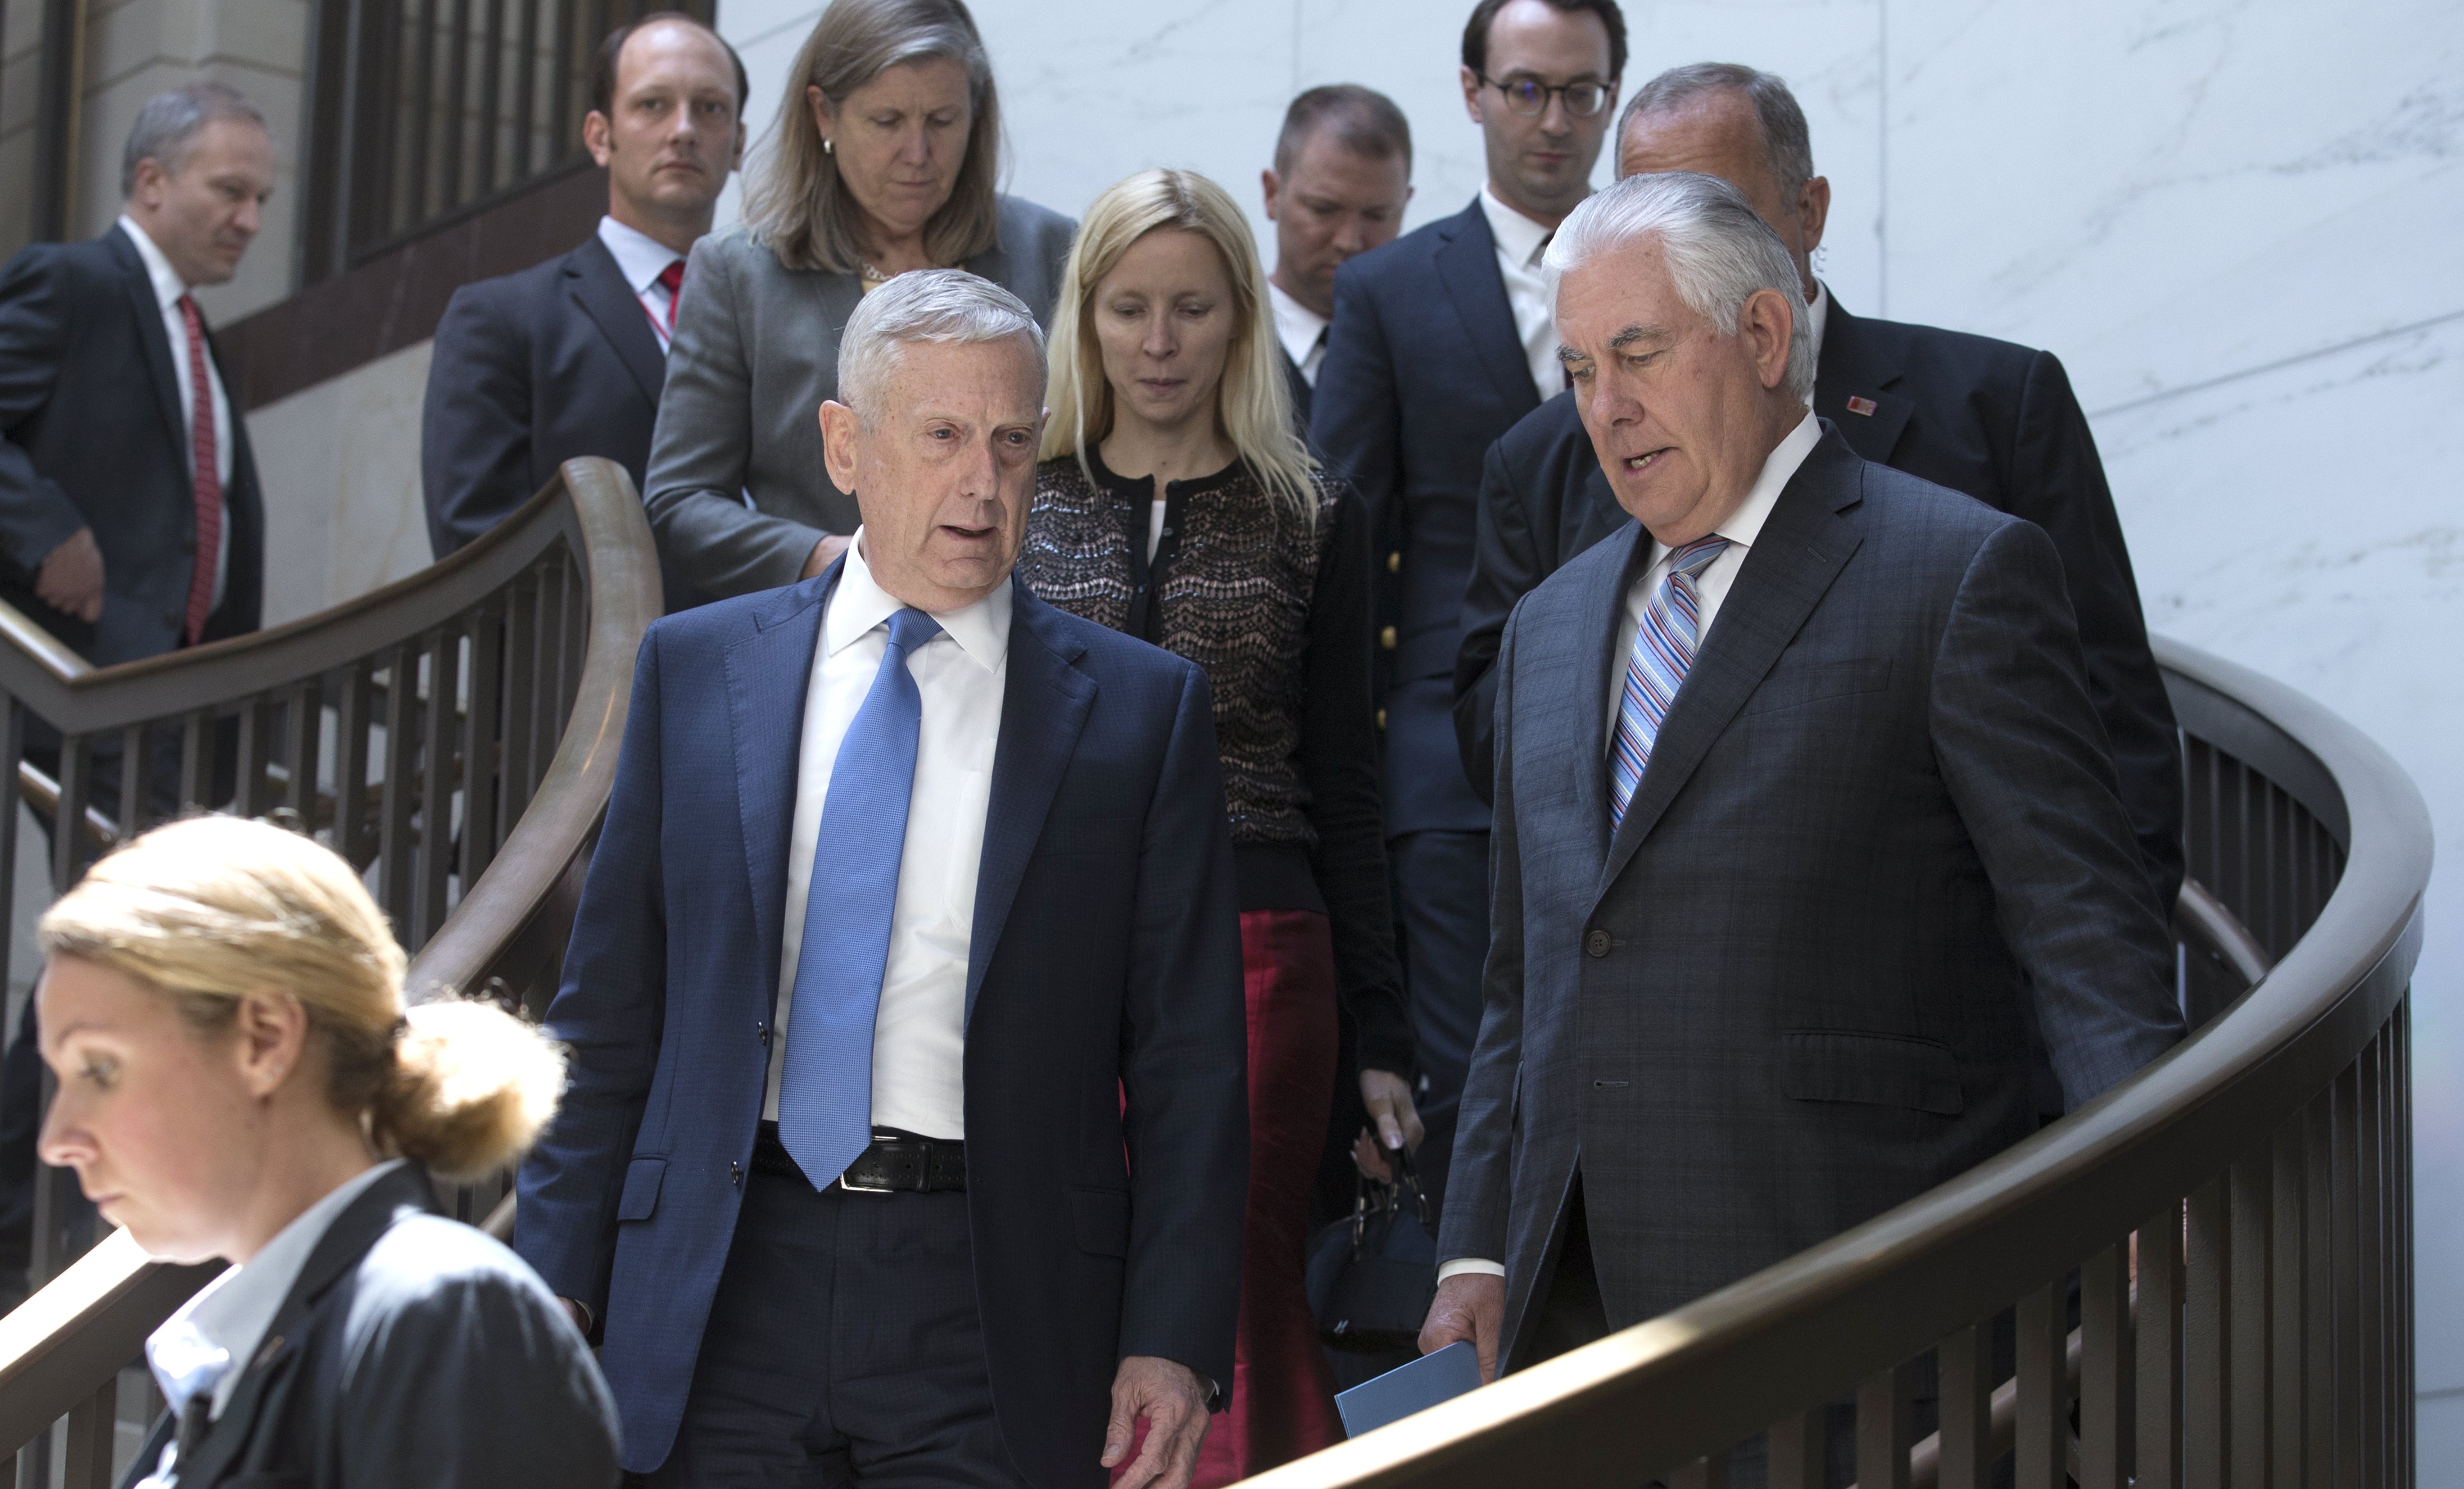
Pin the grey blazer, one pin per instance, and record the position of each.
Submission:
(1794, 988)
(412, 1352)
(756, 354)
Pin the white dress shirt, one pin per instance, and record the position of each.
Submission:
(1711, 587)
(206, 1344)
(168, 290)
(919, 1035)
(1302, 331)
(1520, 243)
(641, 259)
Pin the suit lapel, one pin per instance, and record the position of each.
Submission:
(152, 334)
(1599, 514)
(769, 674)
(1852, 386)
(1624, 552)
(598, 286)
(1043, 708)
(1466, 263)
(1802, 548)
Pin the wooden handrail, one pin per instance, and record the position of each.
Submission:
(68, 1340)
(1655, 1397)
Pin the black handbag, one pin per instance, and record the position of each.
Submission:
(1372, 1275)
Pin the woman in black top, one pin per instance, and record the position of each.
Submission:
(1175, 503)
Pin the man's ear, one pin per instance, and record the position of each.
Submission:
(1768, 322)
(837, 443)
(1273, 186)
(1812, 210)
(1471, 94)
(598, 137)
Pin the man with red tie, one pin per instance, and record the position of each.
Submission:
(130, 520)
(567, 358)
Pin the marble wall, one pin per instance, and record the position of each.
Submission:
(2236, 220)
(340, 463)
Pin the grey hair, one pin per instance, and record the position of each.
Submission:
(1788, 146)
(947, 306)
(167, 124)
(1719, 253)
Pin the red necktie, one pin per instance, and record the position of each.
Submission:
(208, 482)
(673, 278)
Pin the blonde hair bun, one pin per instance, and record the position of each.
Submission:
(210, 909)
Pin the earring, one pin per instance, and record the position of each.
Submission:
(826, 148)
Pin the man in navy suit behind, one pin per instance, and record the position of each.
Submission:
(906, 1133)
(1441, 342)
(566, 358)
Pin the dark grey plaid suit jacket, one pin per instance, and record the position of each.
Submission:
(1791, 991)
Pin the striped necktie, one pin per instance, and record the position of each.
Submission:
(1663, 648)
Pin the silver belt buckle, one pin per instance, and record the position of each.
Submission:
(864, 1188)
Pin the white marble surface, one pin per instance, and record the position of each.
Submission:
(339, 463)
(2236, 221)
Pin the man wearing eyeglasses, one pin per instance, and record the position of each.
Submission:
(1441, 342)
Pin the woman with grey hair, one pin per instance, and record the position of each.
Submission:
(884, 157)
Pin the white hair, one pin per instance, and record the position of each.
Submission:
(946, 305)
(1719, 253)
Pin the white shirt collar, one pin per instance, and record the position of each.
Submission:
(168, 288)
(1296, 326)
(859, 605)
(1518, 238)
(207, 1342)
(1819, 314)
(1746, 523)
(640, 257)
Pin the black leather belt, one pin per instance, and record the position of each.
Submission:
(897, 1163)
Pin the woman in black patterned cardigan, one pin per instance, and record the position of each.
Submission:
(1175, 503)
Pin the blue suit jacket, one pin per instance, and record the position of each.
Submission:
(1105, 963)
(1423, 372)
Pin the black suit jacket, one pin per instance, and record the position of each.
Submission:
(1980, 417)
(1423, 372)
(92, 435)
(529, 371)
(1302, 393)
(1790, 990)
(414, 1351)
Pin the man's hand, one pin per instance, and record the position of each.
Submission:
(1388, 1097)
(71, 579)
(825, 553)
(1469, 1305)
(1173, 1400)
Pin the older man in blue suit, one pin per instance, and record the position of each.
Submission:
(906, 1141)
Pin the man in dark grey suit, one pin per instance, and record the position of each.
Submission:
(1800, 799)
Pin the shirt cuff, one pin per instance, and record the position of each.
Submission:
(1469, 1266)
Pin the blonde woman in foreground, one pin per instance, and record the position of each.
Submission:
(239, 1078)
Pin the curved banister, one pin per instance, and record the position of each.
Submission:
(1662, 1394)
(61, 1350)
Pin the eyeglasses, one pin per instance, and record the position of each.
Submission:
(1529, 98)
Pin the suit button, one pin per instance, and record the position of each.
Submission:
(1597, 942)
(1395, 562)
(1381, 718)
(735, 1173)
(1386, 638)
(761, 1032)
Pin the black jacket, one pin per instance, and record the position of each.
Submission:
(92, 435)
(1980, 417)
(1794, 985)
(1423, 372)
(530, 370)
(415, 1353)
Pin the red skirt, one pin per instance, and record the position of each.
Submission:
(1282, 1394)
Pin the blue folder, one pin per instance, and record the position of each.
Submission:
(1412, 1387)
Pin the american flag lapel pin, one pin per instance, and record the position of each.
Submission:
(1865, 405)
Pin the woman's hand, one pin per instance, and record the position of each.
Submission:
(1392, 1124)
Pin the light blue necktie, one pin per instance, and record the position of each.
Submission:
(825, 1089)
(1663, 650)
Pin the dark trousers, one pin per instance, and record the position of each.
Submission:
(844, 1347)
(1441, 902)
